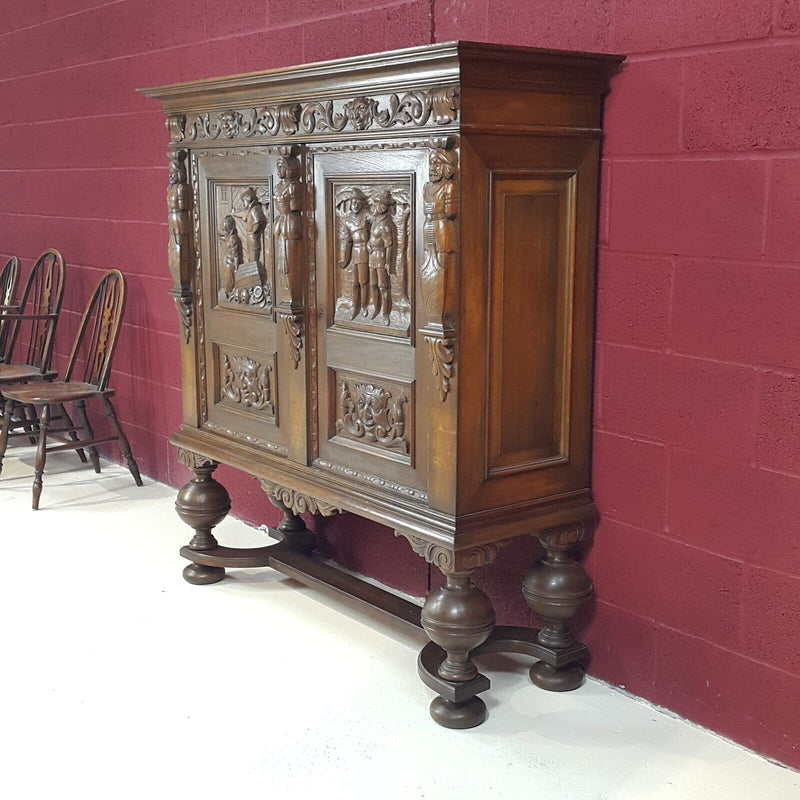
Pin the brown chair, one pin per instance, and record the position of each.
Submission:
(9, 277)
(31, 325)
(90, 357)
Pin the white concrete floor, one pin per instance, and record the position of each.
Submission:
(121, 680)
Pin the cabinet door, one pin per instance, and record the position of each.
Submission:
(244, 392)
(368, 240)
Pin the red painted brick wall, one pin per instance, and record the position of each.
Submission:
(697, 421)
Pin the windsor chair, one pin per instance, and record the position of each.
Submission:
(9, 277)
(85, 378)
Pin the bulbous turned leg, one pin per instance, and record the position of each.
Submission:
(293, 530)
(202, 504)
(458, 617)
(555, 588)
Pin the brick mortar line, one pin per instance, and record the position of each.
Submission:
(779, 39)
(110, 115)
(693, 156)
(63, 16)
(737, 260)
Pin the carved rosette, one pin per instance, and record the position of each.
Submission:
(297, 502)
(194, 460)
(374, 415)
(451, 562)
(436, 106)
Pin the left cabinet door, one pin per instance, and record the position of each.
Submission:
(240, 364)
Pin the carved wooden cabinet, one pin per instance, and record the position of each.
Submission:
(384, 272)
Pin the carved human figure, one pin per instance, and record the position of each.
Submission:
(179, 204)
(233, 253)
(254, 223)
(381, 247)
(440, 205)
(288, 224)
(353, 235)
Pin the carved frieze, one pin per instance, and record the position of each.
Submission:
(194, 460)
(244, 248)
(436, 106)
(373, 414)
(299, 503)
(373, 243)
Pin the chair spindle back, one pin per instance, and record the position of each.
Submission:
(98, 332)
(9, 277)
(39, 306)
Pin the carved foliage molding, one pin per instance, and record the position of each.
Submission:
(371, 414)
(451, 561)
(297, 502)
(437, 106)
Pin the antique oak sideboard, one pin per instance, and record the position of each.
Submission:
(384, 273)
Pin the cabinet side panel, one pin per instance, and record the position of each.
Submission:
(532, 238)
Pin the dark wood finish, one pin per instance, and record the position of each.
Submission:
(9, 277)
(85, 378)
(31, 324)
(384, 271)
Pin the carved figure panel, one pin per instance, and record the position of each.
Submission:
(179, 247)
(373, 412)
(246, 380)
(244, 251)
(373, 242)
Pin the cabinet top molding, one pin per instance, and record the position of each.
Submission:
(438, 66)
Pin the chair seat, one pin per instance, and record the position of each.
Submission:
(55, 392)
(11, 373)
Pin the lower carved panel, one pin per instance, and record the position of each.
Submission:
(374, 413)
(246, 381)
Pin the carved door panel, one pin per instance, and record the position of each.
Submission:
(241, 391)
(369, 240)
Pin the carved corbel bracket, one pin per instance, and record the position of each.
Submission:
(194, 460)
(564, 538)
(184, 306)
(442, 350)
(297, 502)
(449, 561)
(293, 327)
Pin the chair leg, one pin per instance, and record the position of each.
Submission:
(72, 434)
(27, 416)
(8, 410)
(80, 408)
(123, 441)
(41, 455)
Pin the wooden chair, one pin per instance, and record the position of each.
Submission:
(90, 358)
(32, 324)
(9, 277)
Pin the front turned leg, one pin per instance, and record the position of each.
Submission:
(555, 588)
(291, 529)
(202, 504)
(458, 617)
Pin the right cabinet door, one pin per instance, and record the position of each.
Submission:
(368, 243)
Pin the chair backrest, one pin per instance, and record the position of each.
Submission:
(9, 277)
(39, 306)
(98, 332)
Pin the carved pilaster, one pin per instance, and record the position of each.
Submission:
(440, 242)
(179, 248)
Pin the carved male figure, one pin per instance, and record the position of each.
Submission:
(288, 224)
(353, 226)
(233, 253)
(381, 247)
(440, 204)
(179, 204)
(254, 223)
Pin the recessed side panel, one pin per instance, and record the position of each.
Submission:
(532, 242)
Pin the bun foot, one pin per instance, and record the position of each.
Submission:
(468, 714)
(200, 574)
(556, 680)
